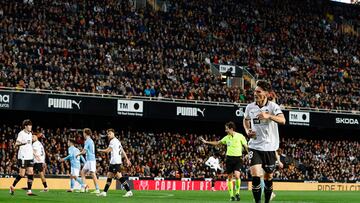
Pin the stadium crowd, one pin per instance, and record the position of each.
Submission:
(305, 49)
(174, 155)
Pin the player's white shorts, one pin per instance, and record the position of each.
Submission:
(75, 172)
(90, 166)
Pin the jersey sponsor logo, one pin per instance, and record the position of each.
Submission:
(347, 121)
(57, 103)
(130, 108)
(5, 101)
(256, 121)
(299, 118)
(190, 111)
(228, 143)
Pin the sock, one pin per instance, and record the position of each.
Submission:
(17, 179)
(268, 190)
(262, 185)
(213, 182)
(230, 187)
(79, 181)
(30, 181)
(96, 186)
(108, 183)
(256, 189)
(84, 182)
(237, 186)
(124, 183)
(45, 184)
(72, 183)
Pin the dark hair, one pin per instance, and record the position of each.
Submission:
(231, 125)
(26, 123)
(87, 131)
(264, 85)
(71, 141)
(110, 130)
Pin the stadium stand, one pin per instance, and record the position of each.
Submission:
(306, 48)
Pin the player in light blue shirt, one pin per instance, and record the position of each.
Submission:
(74, 163)
(90, 149)
(90, 165)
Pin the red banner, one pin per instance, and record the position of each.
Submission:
(179, 185)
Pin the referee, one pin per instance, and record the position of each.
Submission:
(260, 122)
(235, 143)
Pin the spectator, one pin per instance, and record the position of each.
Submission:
(309, 57)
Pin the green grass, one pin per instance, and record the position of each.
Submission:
(178, 196)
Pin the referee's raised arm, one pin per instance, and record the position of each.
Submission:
(210, 142)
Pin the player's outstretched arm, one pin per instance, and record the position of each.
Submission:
(107, 150)
(66, 158)
(81, 153)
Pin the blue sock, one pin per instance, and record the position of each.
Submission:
(262, 185)
(72, 183)
(97, 187)
(79, 181)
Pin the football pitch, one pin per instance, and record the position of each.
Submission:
(178, 196)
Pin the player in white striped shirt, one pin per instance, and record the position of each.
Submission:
(260, 122)
(25, 157)
(39, 161)
(115, 163)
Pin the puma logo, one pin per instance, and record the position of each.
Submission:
(201, 111)
(76, 103)
(190, 111)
